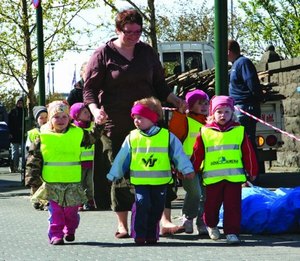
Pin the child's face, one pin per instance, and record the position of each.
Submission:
(200, 107)
(142, 123)
(223, 115)
(42, 119)
(60, 122)
(84, 115)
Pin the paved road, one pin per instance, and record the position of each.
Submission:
(23, 236)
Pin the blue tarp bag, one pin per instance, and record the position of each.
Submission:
(269, 212)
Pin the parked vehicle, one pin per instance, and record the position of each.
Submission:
(178, 57)
(4, 145)
(269, 139)
(189, 65)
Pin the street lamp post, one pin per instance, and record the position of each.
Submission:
(52, 69)
(40, 49)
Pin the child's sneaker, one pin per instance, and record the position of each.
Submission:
(213, 233)
(36, 205)
(80, 208)
(57, 241)
(90, 206)
(188, 225)
(70, 237)
(140, 241)
(232, 239)
(202, 230)
(151, 241)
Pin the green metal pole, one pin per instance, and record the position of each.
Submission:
(221, 38)
(40, 49)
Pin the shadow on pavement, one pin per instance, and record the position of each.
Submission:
(248, 240)
(9, 185)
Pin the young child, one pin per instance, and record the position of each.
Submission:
(190, 125)
(55, 158)
(228, 158)
(40, 115)
(82, 118)
(146, 153)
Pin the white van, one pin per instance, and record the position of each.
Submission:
(181, 56)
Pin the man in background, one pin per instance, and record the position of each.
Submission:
(15, 124)
(75, 94)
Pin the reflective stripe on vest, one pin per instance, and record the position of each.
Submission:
(150, 163)
(87, 154)
(61, 156)
(193, 130)
(223, 155)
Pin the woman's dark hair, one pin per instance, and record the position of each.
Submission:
(128, 16)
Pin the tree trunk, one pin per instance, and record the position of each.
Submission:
(152, 24)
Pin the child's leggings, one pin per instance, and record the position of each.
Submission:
(62, 220)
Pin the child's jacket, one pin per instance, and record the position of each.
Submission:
(59, 185)
(124, 159)
(227, 153)
(179, 124)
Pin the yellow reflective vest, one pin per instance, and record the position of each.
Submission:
(61, 156)
(193, 130)
(87, 154)
(223, 155)
(150, 162)
(33, 134)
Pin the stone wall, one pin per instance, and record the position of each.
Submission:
(286, 74)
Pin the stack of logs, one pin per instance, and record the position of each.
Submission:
(205, 80)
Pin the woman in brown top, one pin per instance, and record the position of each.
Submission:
(120, 72)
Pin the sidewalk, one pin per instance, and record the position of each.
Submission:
(23, 236)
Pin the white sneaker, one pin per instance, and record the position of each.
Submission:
(188, 226)
(213, 233)
(202, 230)
(232, 239)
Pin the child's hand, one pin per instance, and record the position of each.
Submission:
(183, 106)
(189, 176)
(102, 117)
(252, 178)
(179, 175)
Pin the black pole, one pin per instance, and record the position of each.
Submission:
(23, 143)
(40, 48)
(221, 38)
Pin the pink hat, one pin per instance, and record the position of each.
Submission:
(144, 111)
(76, 109)
(193, 96)
(218, 101)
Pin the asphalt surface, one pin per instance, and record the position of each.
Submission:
(23, 234)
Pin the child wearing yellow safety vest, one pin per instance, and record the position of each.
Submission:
(82, 118)
(40, 115)
(228, 158)
(147, 153)
(56, 159)
(186, 126)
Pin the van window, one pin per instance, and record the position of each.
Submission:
(173, 65)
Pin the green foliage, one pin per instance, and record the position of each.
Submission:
(18, 38)
(8, 98)
(190, 23)
(53, 97)
(269, 21)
